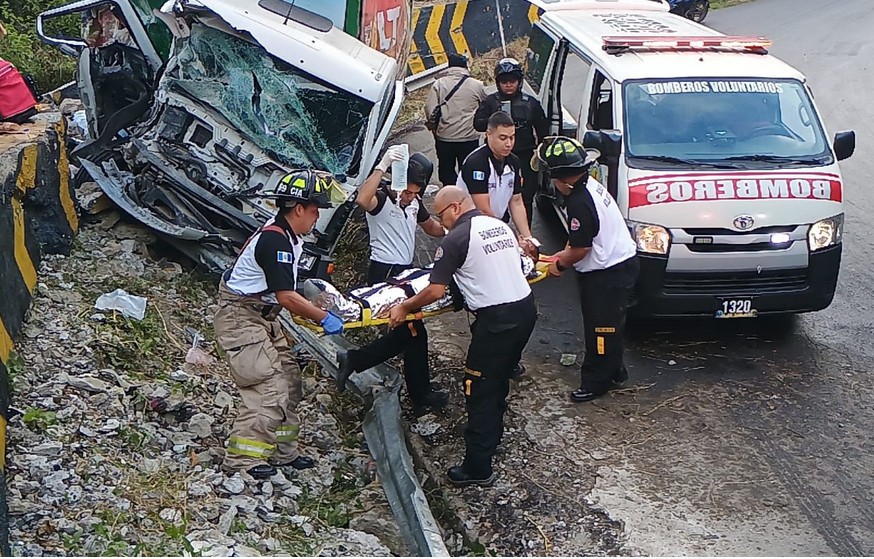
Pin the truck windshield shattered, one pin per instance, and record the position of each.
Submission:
(742, 123)
(298, 120)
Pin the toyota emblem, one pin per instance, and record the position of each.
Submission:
(744, 222)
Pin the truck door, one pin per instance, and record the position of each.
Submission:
(601, 116)
(117, 65)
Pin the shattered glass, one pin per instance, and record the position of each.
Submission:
(299, 121)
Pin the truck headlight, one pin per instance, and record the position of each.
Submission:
(826, 233)
(651, 239)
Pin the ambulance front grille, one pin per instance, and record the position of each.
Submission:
(735, 283)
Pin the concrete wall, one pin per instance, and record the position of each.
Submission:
(37, 216)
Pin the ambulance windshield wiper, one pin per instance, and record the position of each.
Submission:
(780, 159)
(684, 162)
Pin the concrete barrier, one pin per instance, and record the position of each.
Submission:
(471, 27)
(37, 216)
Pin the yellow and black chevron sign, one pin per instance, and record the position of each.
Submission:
(470, 27)
(37, 215)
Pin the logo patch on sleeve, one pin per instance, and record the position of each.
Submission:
(439, 254)
(284, 257)
(575, 224)
(479, 176)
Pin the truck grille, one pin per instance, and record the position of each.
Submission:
(735, 283)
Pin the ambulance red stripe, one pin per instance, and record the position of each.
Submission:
(700, 188)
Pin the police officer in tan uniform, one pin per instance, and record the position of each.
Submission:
(251, 295)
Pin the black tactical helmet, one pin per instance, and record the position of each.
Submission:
(563, 157)
(302, 185)
(509, 67)
(419, 170)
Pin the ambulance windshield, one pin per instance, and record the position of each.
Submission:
(732, 123)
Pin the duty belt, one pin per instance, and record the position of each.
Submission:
(269, 311)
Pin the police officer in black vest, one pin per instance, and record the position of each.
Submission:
(603, 255)
(526, 111)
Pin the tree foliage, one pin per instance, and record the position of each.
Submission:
(46, 64)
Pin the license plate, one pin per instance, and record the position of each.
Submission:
(736, 308)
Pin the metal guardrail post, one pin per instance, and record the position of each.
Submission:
(386, 440)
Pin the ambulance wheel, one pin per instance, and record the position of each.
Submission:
(698, 11)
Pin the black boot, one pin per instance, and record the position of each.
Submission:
(433, 399)
(262, 471)
(517, 372)
(344, 370)
(459, 478)
(300, 463)
(621, 376)
(585, 395)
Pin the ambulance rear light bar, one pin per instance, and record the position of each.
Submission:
(619, 43)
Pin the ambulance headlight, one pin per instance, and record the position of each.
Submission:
(650, 239)
(826, 233)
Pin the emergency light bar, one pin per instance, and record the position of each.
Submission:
(619, 43)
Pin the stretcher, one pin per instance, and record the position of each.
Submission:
(367, 319)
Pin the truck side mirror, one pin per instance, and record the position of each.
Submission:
(845, 145)
(608, 142)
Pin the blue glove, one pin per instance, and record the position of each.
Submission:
(332, 324)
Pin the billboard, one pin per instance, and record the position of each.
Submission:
(385, 26)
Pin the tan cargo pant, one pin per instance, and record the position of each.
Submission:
(268, 377)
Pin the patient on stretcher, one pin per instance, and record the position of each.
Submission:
(381, 297)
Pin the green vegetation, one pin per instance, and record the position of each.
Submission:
(48, 67)
(38, 419)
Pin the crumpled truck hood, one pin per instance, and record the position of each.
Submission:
(321, 54)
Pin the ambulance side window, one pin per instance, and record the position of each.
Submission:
(601, 107)
(540, 46)
(573, 85)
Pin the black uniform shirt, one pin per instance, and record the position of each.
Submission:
(482, 173)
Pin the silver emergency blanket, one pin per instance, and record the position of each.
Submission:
(325, 296)
(380, 297)
(420, 279)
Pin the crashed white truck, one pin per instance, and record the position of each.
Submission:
(246, 91)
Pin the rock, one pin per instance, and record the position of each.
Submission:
(244, 503)
(51, 448)
(201, 425)
(266, 489)
(160, 392)
(381, 524)
(74, 494)
(245, 551)
(87, 383)
(353, 542)
(270, 544)
(291, 491)
(170, 515)
(110, 426)
(88, 432)
(180, 376)
(69, 106)
(234, 484)
(672, 362)
(226, 520)
(199, 489)
(223, 400)
(426, 425)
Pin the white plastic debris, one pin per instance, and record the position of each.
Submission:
(81, 121)
(132, 306)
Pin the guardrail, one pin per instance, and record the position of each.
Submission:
(386, 439)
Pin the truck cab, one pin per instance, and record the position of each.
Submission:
(713, 149)
(196, 107)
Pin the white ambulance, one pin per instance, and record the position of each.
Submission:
(713, 149)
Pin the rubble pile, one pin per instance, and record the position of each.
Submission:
(119, 444)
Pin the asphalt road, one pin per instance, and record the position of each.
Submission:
(738, 437)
